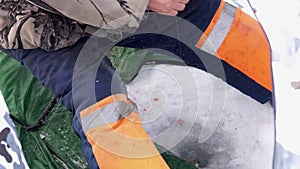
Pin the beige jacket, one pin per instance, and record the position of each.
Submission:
(54, 24)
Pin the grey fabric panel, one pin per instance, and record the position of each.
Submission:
(108, 114)
(220, 30)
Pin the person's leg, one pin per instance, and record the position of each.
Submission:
(106, 121)
(226, 39)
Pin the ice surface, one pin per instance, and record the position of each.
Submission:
(176, 102)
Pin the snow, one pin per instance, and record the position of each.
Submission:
(177, 102)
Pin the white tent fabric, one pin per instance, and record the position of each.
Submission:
(281, 22)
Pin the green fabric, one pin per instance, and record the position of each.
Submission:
(54, 145)
(129, 66)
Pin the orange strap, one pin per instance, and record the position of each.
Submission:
(241, 43)
(124, 145)
(119, 143)
(246, 48)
